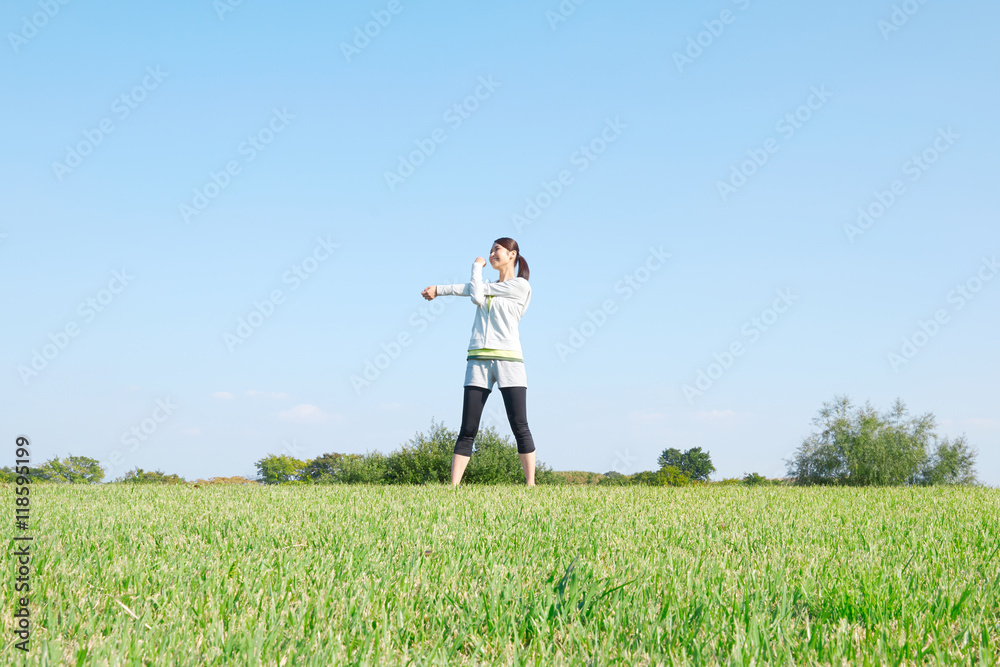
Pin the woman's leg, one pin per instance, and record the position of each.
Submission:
(514, 399)
(473, 401)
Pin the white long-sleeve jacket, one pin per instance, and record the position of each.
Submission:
(494, 331)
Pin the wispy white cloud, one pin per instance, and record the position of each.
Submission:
(390, 406)
(223, 394)
(267, 394)
(306, 413)
(191, 431)
(982, 421)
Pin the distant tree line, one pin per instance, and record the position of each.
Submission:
(850, 447)
(72, 470)
(85, 470)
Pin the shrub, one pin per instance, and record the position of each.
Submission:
(614, 478)
(494, 460)
(665, 476)
(334, 468)
(424, 459)
(369, 469)
(755, 479)
(140, 476)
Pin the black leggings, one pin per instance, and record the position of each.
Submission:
(472, 411)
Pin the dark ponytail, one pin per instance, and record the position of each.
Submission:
(511, 246)
(522, 267)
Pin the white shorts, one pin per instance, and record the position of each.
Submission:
(485, 372)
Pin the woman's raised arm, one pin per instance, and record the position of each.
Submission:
(458, 289)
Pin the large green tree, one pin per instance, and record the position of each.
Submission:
(275, 469)
(694, 463)
(857, 446)
(72, 469)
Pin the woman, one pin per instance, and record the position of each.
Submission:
(494, 352)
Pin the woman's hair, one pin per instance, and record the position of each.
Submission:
(511, 246)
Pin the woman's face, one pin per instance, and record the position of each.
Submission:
(500, 256)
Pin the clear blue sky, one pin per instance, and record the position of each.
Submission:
(119, 112)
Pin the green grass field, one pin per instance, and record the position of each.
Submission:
(332, 575)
